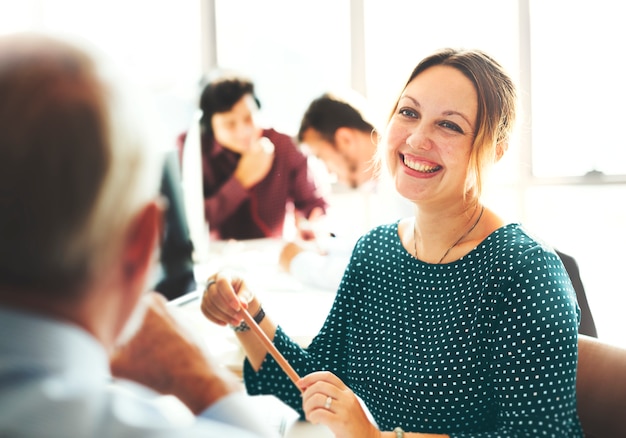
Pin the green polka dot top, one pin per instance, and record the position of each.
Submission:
(485, 346)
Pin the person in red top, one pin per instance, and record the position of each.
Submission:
(250, 175)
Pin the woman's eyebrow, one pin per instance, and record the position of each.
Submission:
(406, 96)
(458, 113)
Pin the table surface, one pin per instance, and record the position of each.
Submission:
(299, 309)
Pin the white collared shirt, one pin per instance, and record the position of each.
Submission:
(55, 382)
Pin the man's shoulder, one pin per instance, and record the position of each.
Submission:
(281, 140)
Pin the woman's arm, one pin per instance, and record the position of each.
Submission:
(534, 352)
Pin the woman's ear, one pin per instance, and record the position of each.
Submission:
(501, 148)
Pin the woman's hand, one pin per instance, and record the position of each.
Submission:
(224, 301)
(327, 400)
(225, 298)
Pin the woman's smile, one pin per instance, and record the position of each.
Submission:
(419, 165)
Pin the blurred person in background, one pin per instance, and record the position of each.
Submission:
(338, 129)
(252, 176)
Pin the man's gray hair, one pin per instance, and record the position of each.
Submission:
(77, 162)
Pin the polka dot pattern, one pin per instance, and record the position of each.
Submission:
(485, 346)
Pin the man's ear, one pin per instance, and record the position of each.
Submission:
(142, 242)
(344, 139)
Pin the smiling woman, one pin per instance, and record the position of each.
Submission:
(441, 319)
(560, 179)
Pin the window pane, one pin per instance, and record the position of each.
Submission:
(293, 51)
(578, 87)
(155, 41)
(587, 223)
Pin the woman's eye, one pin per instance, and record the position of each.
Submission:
(407, 112)
(452, 126)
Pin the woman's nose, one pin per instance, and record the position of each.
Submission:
(419, 138)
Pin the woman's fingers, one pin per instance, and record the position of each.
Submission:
(320, 376)
(322, 391)
(327, 400)
(221, 302)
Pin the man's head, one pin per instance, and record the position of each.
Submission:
(229, 107)
(338, 131)
(74, 173)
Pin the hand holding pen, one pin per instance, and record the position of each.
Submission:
(229, 301)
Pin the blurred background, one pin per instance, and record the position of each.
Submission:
(564, 176)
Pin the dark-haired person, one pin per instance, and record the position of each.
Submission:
(339, 129)
(251, 175)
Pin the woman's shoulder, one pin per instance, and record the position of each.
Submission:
(385, 232)
(380, 246)
(386, 229)
(514, 241)
(515, 233)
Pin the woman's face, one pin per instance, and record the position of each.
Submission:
(429, 137)
(235, 129)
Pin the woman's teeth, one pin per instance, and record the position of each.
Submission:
(420, 167)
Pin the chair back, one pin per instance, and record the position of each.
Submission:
(601, 388)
